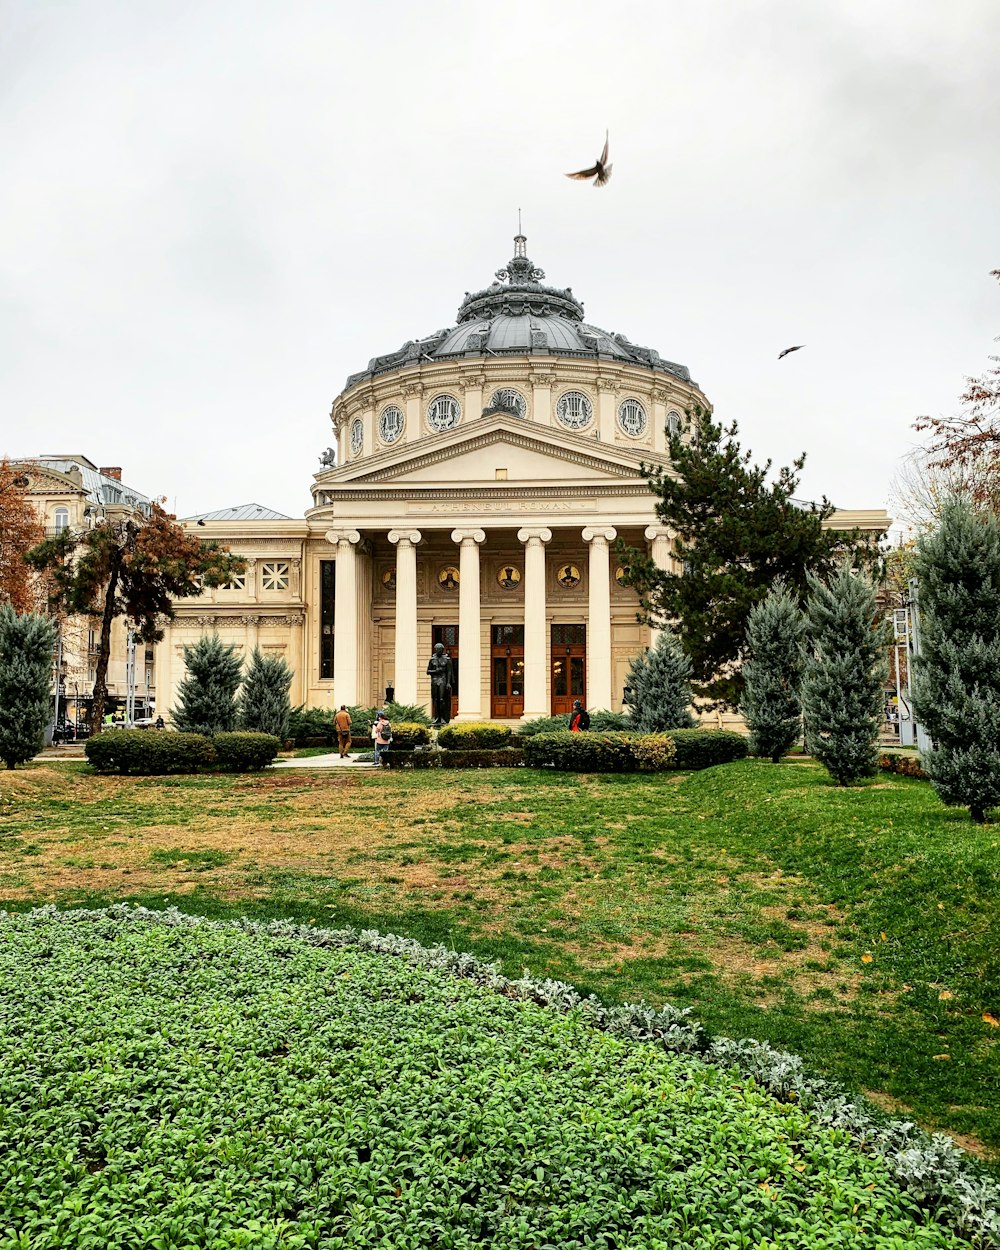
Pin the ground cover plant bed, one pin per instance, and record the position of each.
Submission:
(854, 927)
(173, 1082)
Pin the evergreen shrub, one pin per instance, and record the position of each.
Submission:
(660, 683)
(581, 752)
(245, 752)
(474, 736)
(902, 765)
(406, 736)
(206, 697)
(772, 673)
(704, 748)
(149, 752)
(313, 726)
(505, 757)
(26, 646)
(601, 721)
(264, 706)
(654, 753)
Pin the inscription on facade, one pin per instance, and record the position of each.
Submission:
(481, 506)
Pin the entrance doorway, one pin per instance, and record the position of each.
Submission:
(448, 635)
(569, 667)
(506, 671)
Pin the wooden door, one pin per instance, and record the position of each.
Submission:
(448, 635)
(569, 667)
(506, 671)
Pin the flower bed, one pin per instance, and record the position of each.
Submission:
(173, 1081)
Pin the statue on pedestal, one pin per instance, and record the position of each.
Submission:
(442, 675)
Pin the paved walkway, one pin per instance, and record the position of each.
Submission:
(332, 760)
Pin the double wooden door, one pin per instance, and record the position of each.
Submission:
(506, 671)
(569, 667)
(448, 636)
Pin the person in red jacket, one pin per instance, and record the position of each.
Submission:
(579, 718)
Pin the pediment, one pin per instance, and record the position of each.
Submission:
(47, 481)
(527, 453)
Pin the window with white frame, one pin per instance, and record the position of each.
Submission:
(60, 519)
(274, 575)
(574, 410)
(632, 418)
(238, 581)
(673, 424)
(443, 413)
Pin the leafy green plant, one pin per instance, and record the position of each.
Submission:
(704, 748)
(654, 753)
(406, 736)
(472, 736)
(149, 752)
(601, 721)
(590, 752)
(244, 752)
(313, 723)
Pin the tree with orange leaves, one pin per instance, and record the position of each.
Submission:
(20, 530)
(970, 441)
(132, 567)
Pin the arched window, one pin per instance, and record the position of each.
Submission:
(61, 519)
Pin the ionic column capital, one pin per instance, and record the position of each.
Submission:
(333, 537)
(468, 536)
(600, 534)
(653, 532)
(405, 536)
(527, 536)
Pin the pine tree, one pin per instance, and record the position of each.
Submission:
(659, 681)
(26, 654)
(956, 693)
(738, 529)
(772, 674)
(206, 698)
(264, 704)
(846, 669)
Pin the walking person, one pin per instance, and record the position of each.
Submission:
(342, 724)
(579, 718)
(381, 736)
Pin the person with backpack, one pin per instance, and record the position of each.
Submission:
(382, 736)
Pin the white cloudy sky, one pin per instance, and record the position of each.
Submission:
(211, 212)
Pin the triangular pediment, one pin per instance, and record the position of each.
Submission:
(480, 451)
(43, 480)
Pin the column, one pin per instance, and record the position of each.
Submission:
(470, 650)
(345, 616)
(296, 629)
(252, 625)
(607, 408)
(661, 546)
(599, 616)
(405, 676)
(535, 676)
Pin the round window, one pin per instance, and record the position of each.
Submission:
(673, 424)
(632, 418)
(574, 410)
(443, 413)
(357, 436)
(390, 423)
(510, 399)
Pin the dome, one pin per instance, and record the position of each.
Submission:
(519, 316)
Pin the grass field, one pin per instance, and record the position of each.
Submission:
(853, 926)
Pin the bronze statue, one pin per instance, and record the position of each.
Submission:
(442, 675)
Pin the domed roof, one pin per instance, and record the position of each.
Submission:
(516, 316)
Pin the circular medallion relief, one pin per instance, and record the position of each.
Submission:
(357, 436)
(389, 579)
(508, 577)
(448, 577)
(390, 424)
(443, 413)
(568, 576)
(513, 401)
(574, 410)
(632, 418)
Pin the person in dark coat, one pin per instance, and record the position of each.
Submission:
(579, 718)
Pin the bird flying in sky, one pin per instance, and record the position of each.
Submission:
(791, 349)
(600, 172)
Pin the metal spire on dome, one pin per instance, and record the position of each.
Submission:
(519, 271)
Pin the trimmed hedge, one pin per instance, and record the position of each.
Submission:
(704, 748)
(505, 757)
(902, 765)
(582, 752)
(654, 753)
(149, 752)
(475, 736)
(601, 721)
(407, 735)
(245, 752)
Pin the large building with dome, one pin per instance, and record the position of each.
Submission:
(477, 484)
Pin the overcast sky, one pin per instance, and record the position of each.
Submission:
(211, 213)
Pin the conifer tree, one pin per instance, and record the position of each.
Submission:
(738, 528)
(846, 669)
(956, 692)
(26, 654)
(264, 704)
(659, 681)
(206, 698)
(772, 673)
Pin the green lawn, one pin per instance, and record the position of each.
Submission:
(855, 927)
